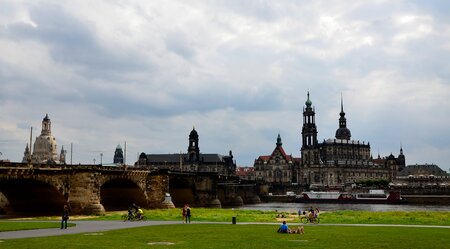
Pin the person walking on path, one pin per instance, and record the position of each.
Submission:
(65, 217)
(188, 214)
(184, 212)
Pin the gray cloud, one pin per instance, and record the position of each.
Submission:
(145, 72)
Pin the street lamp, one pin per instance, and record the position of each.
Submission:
(101, 158)
(94, 161)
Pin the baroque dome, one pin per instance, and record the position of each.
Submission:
(343, 133)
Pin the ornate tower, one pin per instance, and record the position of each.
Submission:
(62, 156)
(310, 149)
(401, 161)
(193, 149)
(343, 132)
(46, 126)
(118, 155)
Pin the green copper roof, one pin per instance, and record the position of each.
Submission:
(308, 102)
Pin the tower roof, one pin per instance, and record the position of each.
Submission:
(308, 102)
(193, 133)
(343, 132)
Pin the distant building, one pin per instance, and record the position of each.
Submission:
(340, 160)
(422, 175)
(246, 173)
(118, 155)
(192, 161)
(45, 147)
(277, 167)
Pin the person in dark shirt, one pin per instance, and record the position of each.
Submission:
(65, 217)
(188, 214)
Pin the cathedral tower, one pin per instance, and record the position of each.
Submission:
(193, 149)
(343, 132)
(118, 155)
(310, 149)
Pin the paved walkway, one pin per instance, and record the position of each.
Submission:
(81, 227)
(100, 226)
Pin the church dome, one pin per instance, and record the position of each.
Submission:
(343, 133)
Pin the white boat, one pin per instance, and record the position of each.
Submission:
(373, 196)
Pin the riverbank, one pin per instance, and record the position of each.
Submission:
(268, 216)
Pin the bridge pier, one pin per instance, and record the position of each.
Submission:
(214, 203)
(84, 194)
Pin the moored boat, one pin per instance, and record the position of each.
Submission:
(373, 196)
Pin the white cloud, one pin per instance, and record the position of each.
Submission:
(146, 71)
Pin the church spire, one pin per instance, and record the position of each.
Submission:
(343, 132)
(308, 102)
(342, 119)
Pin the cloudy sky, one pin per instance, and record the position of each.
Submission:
(146, 72)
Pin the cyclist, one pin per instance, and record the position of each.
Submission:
(139, 213)
(130, 213)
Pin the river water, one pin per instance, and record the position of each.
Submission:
(294, 207)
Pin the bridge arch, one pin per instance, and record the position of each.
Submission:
(121, 193)
(31, 197)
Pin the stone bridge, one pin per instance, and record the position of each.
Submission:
(92, 189)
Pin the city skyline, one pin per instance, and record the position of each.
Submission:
(238, 71)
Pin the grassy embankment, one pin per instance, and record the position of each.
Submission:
(244, 236)
(336, 217)
(224, 215)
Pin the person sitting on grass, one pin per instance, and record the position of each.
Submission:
(283, 228)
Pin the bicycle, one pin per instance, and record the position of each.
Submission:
(305, 219)
(133, 217)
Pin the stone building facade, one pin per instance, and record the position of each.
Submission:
(45, 147)
(340, 160)
(192, 161)
(278, 167)
(422, 176)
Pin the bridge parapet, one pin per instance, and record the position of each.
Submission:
(90, 189)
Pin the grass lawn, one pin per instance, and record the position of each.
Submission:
(245, 236)
(15, 226)
(336, 217)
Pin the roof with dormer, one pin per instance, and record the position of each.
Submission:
(422, 169)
